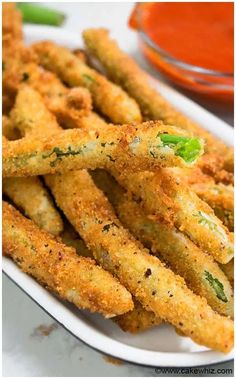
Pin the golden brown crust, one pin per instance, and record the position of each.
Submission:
(58, 267)
(30, 195)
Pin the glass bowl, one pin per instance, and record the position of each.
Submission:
(207, 82)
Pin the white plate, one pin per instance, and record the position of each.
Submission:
(160, 346)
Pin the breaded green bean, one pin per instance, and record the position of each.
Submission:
(219, 196)
(166, 197)
(107, 97)
(35, 120)
(200, 271)
(11, 21)
(58, 267)
(68, 105)
(157, 288)
(123, 70)
(147, 146)
(30, 195)
(9, 130)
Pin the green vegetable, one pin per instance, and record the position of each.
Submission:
(217, 286)
(189, 149)
(36, 14)
(203, 220)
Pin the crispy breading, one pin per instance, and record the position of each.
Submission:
(166, 197)
(107, 97)
(58, 267)
(32, 197)
(200, 271)
(157, 288)
(128, 147)
(11, 21)
(68, 105)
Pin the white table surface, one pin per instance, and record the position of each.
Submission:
(33, 344)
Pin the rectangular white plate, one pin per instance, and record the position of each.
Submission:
(160, 346)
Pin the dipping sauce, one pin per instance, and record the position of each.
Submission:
(193, 33)
(201, 34)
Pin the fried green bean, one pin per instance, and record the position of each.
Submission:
(58, 267)
(149, 146)
(220, 198)
(165, 196)
(68, 105)
(200, 271)
(157, 288)
(217, 195)
(30, 195)
(123, 70)
(107, 97)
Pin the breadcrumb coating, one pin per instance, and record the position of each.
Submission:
(32, 197)
(58, 267)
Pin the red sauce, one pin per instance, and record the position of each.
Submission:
(200, 34)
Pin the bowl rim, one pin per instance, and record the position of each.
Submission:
(171, 59)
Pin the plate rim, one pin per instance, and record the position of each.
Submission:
(192, 359)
